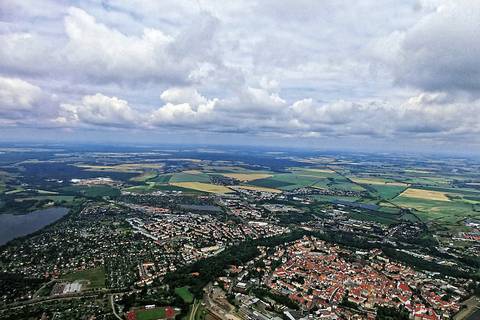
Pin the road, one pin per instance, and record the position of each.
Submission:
(112, 303)
(194, 310)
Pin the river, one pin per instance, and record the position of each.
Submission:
(13, 226)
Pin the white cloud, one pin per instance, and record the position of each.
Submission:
(385, 69)
(18, 95)
(99, 110)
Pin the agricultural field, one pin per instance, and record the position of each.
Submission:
(387, 192)
(148, 175)
(245, 177)
(162, 179)
(425, 194)
(377, 181)
(95, 277)
(93, 191)
(200, 186)
(189, 176)
(261, 189)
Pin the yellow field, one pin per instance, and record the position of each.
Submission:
(254, 188)
(417, 171)
(378, 182)
(425, 194)
(192, 171)
(200, 186)
(247, 176)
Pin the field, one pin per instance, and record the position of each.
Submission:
(185, 176)
(425, 194)
(95, 277)
(164, 178)
(93, 191)
(144, 176)
(200, 186)
(286, 181)
(387, 192)
(52, 198)
(185, 294)
(448, 213)
(376, 181)
(254, 188)
(150, 314)
(247, 176)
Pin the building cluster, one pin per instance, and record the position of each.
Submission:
(192, 237)
(333, 281)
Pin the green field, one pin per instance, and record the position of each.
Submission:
(150, 314)
(163, 178)
(95, 277)
(189, 177)
(93, 191)
(53, 198)
(387, 192)
(286, 181)
(185, 294)
(450, 213)
(149, 175)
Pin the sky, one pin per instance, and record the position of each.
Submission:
(363, 75)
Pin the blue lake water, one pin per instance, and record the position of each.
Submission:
(13, 226)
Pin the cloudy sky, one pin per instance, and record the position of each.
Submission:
(367, 74)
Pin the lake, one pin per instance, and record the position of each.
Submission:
(13, 226)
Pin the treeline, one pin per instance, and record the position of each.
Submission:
(389, 313)
(283, 300)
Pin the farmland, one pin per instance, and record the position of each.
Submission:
(425, 194)
(247, 176)
(261, 189)
(200, 186)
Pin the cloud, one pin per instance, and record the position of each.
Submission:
(438, 53)
(385, 70)
(17, 94)
(94, 51)
(99, 110)
(427, 115)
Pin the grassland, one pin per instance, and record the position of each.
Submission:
(93, 191)
(55, 198)
(425, 194)
(185, 176)
(163, 178)
(247, 176)
(200, 186)
(387, 192)
(148, 175)
(448, 213)
(185, 294)
(377, 181)
(261, 189)
(95, 277)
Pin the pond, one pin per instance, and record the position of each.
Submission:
(13, 226)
